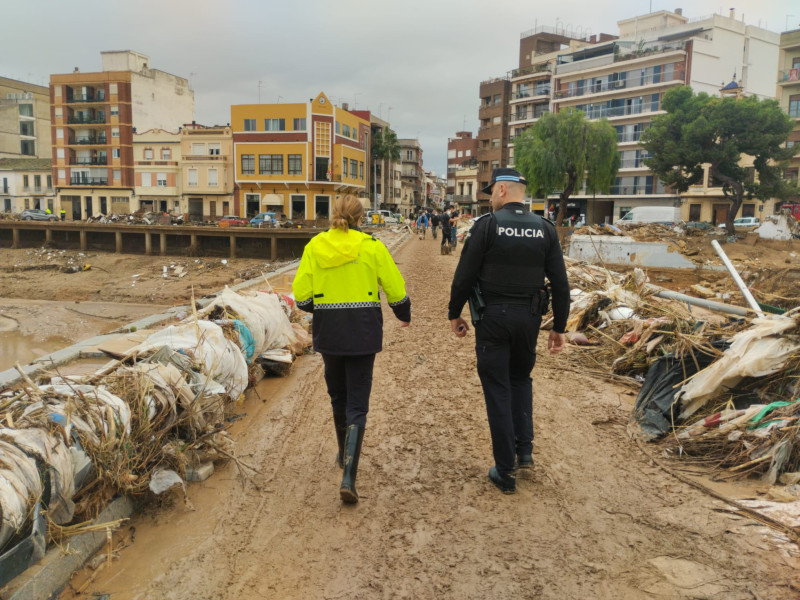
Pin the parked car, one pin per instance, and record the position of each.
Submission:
(264, 219)
(233, 221)
(744, 222)
(36, 214)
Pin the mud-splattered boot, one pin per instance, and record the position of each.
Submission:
(340, 423)
(352, 451)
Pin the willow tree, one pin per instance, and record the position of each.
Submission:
(561, 149)
(699, 130)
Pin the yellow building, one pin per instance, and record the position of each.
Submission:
(296, 158)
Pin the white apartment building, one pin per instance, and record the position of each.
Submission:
(624, 79)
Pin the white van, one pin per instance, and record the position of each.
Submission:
(665, 215)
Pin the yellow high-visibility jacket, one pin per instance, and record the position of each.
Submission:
(338, 280)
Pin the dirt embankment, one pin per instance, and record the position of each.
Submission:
(595, 518)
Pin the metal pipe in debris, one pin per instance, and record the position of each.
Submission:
(701, 302)
(737, 278)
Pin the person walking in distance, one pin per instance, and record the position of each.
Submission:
(435, 219)
(444, 221)
(422, 224)
(454, 214)
(337, 281)
(507, 257)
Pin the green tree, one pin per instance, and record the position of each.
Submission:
(699, 129)
(386, 149)
(562, 148)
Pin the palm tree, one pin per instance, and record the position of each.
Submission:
(385, 148)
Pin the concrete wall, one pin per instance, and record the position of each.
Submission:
(626, 251)
(160, 101)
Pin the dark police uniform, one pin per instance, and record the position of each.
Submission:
(509, 253)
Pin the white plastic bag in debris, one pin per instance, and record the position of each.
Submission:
(49, 450)
(761, 350)
(222, 360)
(105, 407)
(263, 315)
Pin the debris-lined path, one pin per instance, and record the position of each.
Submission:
(594, 519)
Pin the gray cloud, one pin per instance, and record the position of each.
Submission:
(424, 59)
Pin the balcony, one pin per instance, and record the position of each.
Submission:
(627, 138)
(526, 115)
(205, 157)
(99, 140)
(599, 112)
(632, 163)
(536, 93)
(619, 84)
(544, 69)
(88, 181)
(88, 161)
(85, 121)
(789, 76)
(101, 97)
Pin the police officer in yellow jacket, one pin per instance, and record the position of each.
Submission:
(337, 281)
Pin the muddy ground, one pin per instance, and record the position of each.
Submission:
(595, 518)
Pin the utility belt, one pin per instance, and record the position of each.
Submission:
(539, 302)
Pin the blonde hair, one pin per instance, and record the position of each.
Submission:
(347, 212)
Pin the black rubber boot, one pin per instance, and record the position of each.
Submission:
(524, 461)
(505, 483)
(352, 451)
(340, 423)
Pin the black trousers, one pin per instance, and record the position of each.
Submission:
(505, 345)
(349, 381)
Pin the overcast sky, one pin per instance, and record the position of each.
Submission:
(416, 63)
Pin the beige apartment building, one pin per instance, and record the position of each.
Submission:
(207, 171)
(26, 183)
(24, 120)
(411, 176)
(94, 117)
(465, 180)
(157, 171)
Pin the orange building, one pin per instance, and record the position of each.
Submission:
(296, 158)
(93, 119)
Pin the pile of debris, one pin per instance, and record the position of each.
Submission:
(71, 443)
(720, 389)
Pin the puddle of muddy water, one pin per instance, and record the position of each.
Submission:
(16, 347)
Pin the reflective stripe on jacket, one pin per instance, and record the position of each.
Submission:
(338, 280)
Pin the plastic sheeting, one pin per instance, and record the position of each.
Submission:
(655, 409)
(221, 359)
(760, 350)
(263, 315)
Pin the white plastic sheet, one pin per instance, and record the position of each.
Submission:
(220, 359)
(758, 351)
(263, 315)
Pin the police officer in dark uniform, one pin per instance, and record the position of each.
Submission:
(507, 256)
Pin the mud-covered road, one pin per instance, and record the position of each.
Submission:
(595, 518)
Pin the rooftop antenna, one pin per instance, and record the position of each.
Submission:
(259, 91)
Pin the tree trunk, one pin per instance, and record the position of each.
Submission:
(565, 194)
(734, 196)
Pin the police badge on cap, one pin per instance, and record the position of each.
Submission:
(504, 174)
